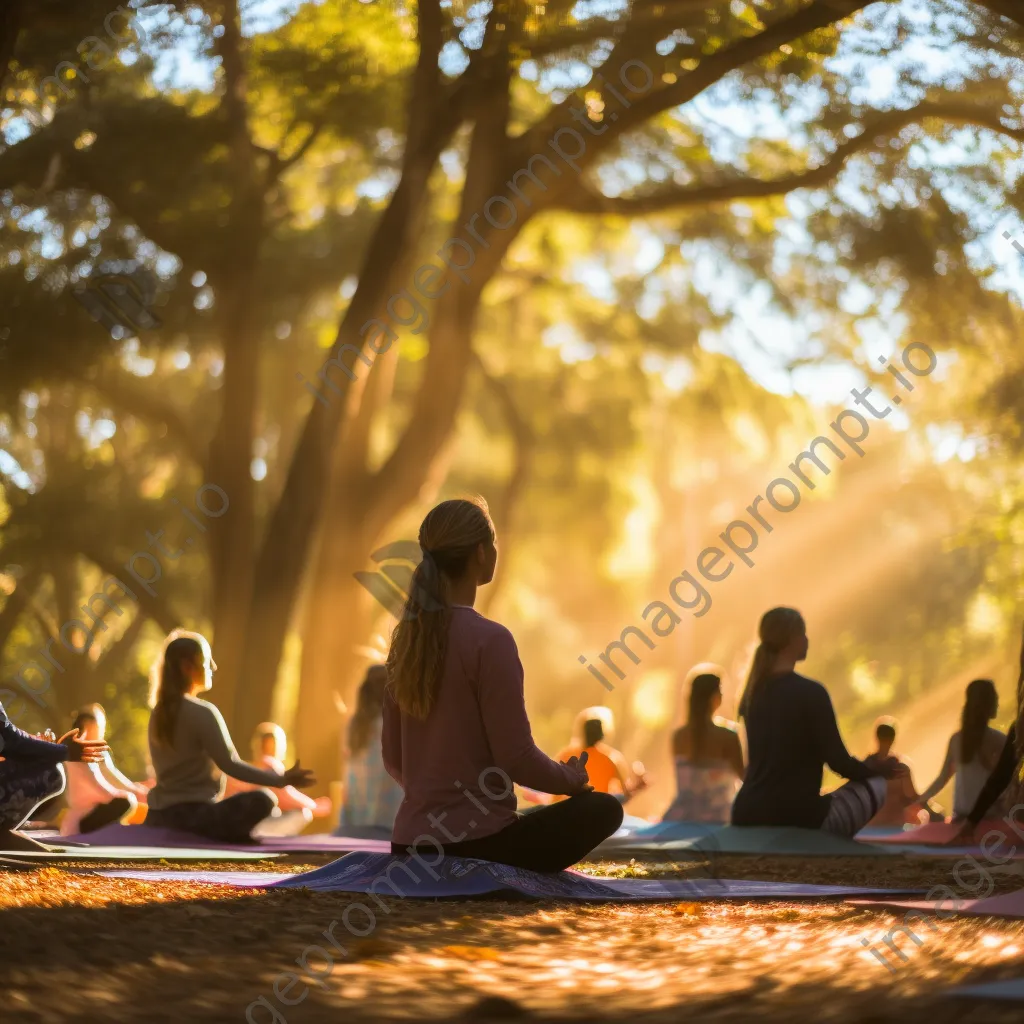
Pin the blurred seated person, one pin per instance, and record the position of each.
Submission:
(973, 751)
(372, 797)
(708, 756)
(294, 809)
(97, 794)
(606, 767)
(31, 773)
(792, 734)
(902, 804)
(191, 751)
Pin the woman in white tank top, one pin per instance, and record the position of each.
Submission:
(973, 750)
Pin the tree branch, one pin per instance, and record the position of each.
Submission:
(10, 26)
(711, 69)
(114, 657)
(586, 200)
(281, 164)
(1011, 10)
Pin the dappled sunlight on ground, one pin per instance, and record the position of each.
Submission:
(131, 950)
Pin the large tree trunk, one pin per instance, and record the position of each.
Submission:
(10, 26)
(294, 523)
(232, 538)
(337, 620)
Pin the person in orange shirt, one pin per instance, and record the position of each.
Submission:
(606, 766)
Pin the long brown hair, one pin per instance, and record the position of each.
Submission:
(979, 709)
(777, 628)
(703, 688)
(449, 535)
(171, 679)
(369, 706)
(1020, 712)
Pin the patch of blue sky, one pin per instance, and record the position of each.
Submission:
(11, 468)
(948, 441)
(596, 278)
(676, 372)
(379, 185)
(260, 16)
(572, 348)
(453, 59)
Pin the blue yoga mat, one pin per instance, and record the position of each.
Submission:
(677, 838)
(384, 875)
(1013, 989)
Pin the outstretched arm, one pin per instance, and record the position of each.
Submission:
(834, 752)
(114, 774)
(15, 742)
(217, 743)
(947, 772)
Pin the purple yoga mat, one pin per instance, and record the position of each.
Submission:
(452, 877)
(1008, 904)
(165, 838)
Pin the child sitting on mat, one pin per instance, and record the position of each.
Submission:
(97, 794)
(456, 734)
(973, 750)
(902, 802)
(372, 797)
(189, 742)
(31, 773)
(607, 769)
(294, 810)
(792, 734)
(708, 757)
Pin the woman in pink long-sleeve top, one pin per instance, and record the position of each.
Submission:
(456, 735)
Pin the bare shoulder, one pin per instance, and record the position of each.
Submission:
(727, 728)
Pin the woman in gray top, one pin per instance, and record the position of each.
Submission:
(190, 748)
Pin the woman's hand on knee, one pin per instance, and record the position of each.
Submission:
(578, 766)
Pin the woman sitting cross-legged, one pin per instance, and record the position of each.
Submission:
(792, 734)
(31, 774)
(456, 734)
(708, 756)
(1004, 788)
(98, 793)
(973, 750)
(189, 742)
(607, 769)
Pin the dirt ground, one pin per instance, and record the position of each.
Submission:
(78, 948)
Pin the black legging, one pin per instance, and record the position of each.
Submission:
(105, 814)
(549, 839)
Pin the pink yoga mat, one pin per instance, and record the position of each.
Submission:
(939, 833)
(165, 838)
(1010, 904)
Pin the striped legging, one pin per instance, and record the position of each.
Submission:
(853, 806)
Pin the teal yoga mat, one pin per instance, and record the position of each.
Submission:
(711, 839)
(1011, 989)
